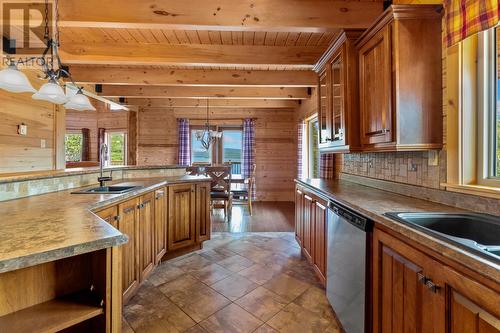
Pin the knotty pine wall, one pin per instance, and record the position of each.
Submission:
(275, 142)
(26, 153)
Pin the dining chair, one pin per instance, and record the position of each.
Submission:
(244, 190)
(220, 188)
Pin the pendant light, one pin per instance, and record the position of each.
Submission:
(79, 102)
(13, 80)
(207, 136)
(51, 92)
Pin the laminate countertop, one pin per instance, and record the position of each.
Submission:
(373, 203)
(57, 225)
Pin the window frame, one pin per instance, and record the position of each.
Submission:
(73, 132)
(220, 144)
(125, 145)
(213, 152)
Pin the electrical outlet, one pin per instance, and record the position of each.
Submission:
(22, 129)
(43, 143)
(433, 158)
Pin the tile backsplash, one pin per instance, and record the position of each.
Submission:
(402, 167)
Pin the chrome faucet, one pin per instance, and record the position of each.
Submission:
(103, 153)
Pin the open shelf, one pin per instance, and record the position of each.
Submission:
(54, 315)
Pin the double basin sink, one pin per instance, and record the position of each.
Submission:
(479, 233)
(114, 189)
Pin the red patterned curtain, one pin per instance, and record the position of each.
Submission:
(467, 17)
(327, 166)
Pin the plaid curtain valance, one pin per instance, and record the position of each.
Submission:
(467, 17)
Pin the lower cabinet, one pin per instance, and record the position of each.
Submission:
(128, 223)
(203, 220)
(311, 229)
(181, 216)
(319, 238)
(414, 292)
(146, 235)
(160, 221)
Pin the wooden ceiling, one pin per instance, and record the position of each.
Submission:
(148, 50)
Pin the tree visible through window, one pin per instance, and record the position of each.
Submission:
(313, 149)
(117, 148)
(73, 147)
(496, 110)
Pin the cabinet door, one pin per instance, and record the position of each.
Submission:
(146, 235)
(203, 221)
(128, 224)
(324, 108)
(473, 308)
(376, 88)
(403, 300)
(109, 215)
(299, 208)
(181, 216)
(337, 98)
(160, 224)
(308, 225)
(319, 239)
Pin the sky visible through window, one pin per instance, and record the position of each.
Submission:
(232, 146)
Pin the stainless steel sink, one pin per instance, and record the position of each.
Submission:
(107, 190)
(477, 232)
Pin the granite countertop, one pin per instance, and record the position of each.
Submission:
(373, 203)
(57, 225)
(24, 176)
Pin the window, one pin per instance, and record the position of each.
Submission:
(198, 153)
(73, 143)
(488, 103)
(232, 148)
(117, 148)
(228, 149)
(311, 155)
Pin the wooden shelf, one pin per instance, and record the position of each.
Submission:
(54, 315)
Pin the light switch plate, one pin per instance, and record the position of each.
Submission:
(22, 129)
(433, 158)
(43, 143)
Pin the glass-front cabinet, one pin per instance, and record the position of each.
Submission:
(338, 97)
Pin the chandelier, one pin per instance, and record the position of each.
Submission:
(13, 80)
(207, 136)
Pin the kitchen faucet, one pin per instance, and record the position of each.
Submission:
(103, 152)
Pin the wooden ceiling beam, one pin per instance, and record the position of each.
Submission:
(227, 15)
(188, 54)
(114, 91)
(216, 103)
(191, 77)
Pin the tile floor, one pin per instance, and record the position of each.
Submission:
(239, 282)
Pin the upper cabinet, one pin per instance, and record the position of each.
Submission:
(338, 95)
(400, 83)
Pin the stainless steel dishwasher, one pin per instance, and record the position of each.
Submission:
(347, 267)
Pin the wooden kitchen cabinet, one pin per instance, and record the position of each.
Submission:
(181, 216)
(203, 219)
(299, 208)
(128, 223)
(160, 225)
(338, 97)
(320, 230)
(110, 215)
(414, 292)
(400, 80)
(146, 235)
(308, 227)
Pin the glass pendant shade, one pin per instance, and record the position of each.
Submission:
(79, 102)
(51, 92)
(13, 80)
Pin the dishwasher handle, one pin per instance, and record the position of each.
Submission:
(353, 218)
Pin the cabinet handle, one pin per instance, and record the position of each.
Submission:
(382, 131)
(422, 278)
(140, 206)
(432, 286)
(128, 210)
(117, 218)
(159, 195)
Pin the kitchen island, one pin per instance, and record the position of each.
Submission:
(61, 259)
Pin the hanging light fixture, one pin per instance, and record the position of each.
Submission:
(13, 80)
(207, 136)
(79, 101)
